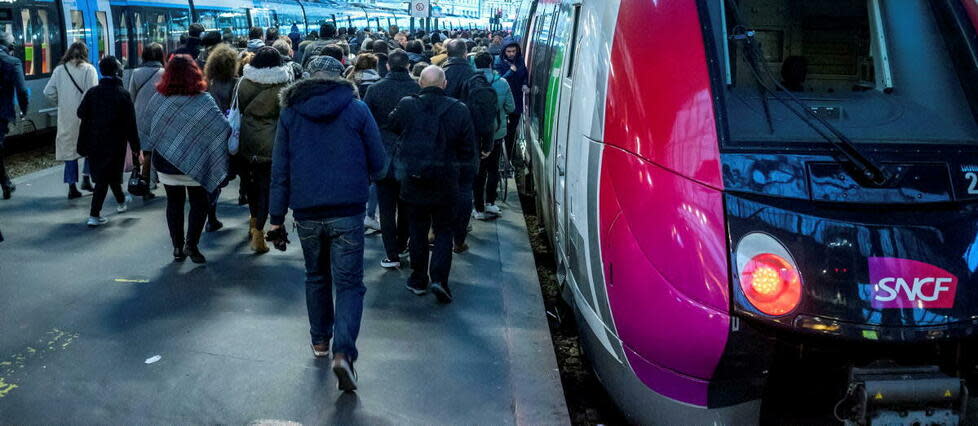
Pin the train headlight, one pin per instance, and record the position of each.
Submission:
(769, 277)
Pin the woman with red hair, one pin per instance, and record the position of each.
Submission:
(187, 136)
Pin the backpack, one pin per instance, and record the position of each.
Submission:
(424, 160)
(483, 103)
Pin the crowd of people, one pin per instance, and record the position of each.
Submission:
(354, 131)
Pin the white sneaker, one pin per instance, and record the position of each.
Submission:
(494, 209)
(96, 221)
(390, 264)
(371, 223)
(477, 215)
(124, 206)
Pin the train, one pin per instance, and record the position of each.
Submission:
(43, 29)
(763, 211)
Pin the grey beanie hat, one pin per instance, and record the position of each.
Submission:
(325, 64)
(254, 45)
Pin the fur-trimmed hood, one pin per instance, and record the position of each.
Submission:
(273, 75)
(318, 99)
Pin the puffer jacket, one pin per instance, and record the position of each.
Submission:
(258, 101)
(327, 151)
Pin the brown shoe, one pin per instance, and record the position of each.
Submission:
(258, 242)
(321, 350)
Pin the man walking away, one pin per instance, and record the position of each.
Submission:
(327, 36)
(327, 149)
(436, 135)
(12, 78)
(474, 89)
(380, 49)
(382, 98)
(193, 45)
(487, 181)
(510, 66)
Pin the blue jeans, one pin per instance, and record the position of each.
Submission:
(333, 250)
(71, 171)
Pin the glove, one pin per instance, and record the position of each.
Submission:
(278, 237)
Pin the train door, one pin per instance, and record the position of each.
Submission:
(559, 99)
(89, 22)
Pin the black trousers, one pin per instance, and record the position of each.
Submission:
(512, 125)
(242, 169)
(259, 187)
(463, 205)
(99, 194)
(487, 181)
(393, 217)
(176, 197)
(4, 178)
(439, 218)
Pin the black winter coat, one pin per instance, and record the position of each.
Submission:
(11, 71)
(459, 136)
(382, 97)
(457, 72)
(108, 122)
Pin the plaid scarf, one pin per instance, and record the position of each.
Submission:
(191, 133)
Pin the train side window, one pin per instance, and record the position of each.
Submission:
(102, 33)
(573, 42)
(179, 21)
(123, 44)
(77, 31)
(49, 38)
(28, 28)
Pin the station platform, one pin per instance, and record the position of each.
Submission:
(85, 312)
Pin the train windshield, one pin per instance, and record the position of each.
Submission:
(881, 72)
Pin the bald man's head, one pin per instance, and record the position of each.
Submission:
(433, 76)
(456, 48)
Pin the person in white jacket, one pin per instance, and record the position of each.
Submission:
(67, 86)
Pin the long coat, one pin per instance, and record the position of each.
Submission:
(108, 122)
(62, 91)
(142, 87)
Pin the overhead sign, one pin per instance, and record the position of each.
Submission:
(420, 8)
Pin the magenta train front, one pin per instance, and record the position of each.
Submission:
(763, 210)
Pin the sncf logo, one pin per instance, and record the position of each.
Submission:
(903, 283)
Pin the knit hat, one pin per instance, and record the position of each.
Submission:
(255, 44)
(325, 64)
(267, 57)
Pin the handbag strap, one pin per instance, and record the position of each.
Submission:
(143, 84)
(234, 100)
(65, 66)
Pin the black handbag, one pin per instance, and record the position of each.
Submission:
(138, 185)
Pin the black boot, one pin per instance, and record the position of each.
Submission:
(195, 255)
(179, 255)
(73, 192)
(8, 189)
(87, 184)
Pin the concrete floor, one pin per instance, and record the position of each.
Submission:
(81, 310)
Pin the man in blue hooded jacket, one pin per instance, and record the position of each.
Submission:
(511, 66)
(327, 150)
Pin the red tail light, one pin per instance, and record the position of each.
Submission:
(771, 284)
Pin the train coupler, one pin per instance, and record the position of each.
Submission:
(887, 395)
